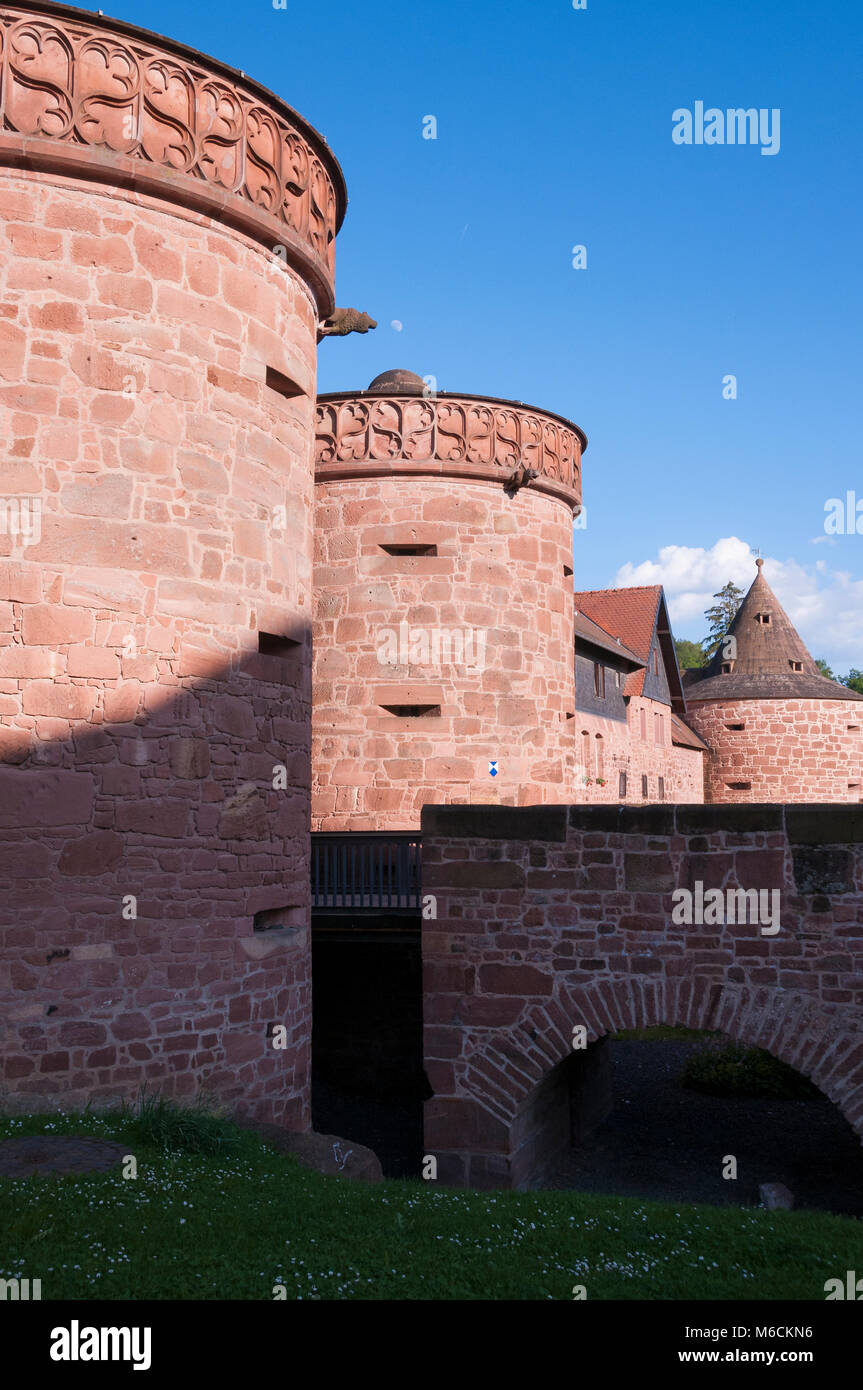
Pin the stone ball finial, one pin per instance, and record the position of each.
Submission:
(397, 382)
(759, 562)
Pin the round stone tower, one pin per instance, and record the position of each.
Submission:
(443, 668)
(777, 729)
(166, 254)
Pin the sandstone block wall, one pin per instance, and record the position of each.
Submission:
(496, 584)
(443, 612)
(608, 747)
(157, 377)
(550, 918)
(786, 750)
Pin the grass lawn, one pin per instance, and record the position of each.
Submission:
(232, 1227)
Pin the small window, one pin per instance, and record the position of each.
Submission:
(599, 680)
(662, 788)
(291, 662)
(599, 758)
(739, 786)
(621, 785)
(644, 725)
(279, 918)
(727, 668)
(567, 571)
(644, 787)
(409, 549)
(796, 665)
(853, 728)
(283, 385)
(619, 679)
(412, 711)
(853, 786)
(270, 644)
(735, 728)
(763, 618)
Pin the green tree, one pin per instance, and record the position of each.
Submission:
(689, 654)
(721, 616)
(854, 680)
(825, 669)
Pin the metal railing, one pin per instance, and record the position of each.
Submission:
(377, 872)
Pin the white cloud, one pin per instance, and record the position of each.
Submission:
(824, 604)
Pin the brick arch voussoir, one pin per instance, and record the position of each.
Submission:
(822, 1042)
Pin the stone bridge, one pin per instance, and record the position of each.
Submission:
(554, 918)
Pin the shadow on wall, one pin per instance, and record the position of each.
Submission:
(154, 887)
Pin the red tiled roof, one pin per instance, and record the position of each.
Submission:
(629, 614)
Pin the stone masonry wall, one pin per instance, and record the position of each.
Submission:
(787, 750)
(498, 578)
(139, 726)
(620, 747)
(552, 917)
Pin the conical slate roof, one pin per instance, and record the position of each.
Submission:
(770, 661)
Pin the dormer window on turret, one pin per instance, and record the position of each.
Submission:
(763, 618)
(727, 668)
(796, 665)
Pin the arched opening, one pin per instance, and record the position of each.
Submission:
(671, 1114)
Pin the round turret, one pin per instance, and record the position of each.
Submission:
(443, 603)
(166, 253)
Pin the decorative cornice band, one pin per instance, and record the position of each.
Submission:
(95, 98)
(378, 435)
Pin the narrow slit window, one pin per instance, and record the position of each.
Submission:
(270, 644)
(662, 788)
(279, 918)
(739, 786)
(735, 728)
(413, 711)
(409, 549)
(621, 784)
(283, 385)
(599, 680)
(644, 787)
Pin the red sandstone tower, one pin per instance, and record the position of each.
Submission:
(777, 729)
(166, 255)
(443, 607)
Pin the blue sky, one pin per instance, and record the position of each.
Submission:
(554, 130)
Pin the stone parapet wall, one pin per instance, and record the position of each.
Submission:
(446, 435)
(87, 96)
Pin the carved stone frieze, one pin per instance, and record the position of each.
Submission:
(89, 95)
(469, 435)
